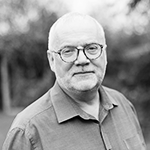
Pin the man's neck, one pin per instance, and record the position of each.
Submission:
(91, 108)
(87, 101)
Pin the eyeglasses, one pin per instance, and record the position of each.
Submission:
(70, 53)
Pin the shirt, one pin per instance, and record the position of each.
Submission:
(55, 122)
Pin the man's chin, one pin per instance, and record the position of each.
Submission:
(85, 87)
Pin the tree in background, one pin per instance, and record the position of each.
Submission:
(23, 42)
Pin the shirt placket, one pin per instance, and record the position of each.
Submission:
(103, 114)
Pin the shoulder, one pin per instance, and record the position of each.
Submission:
(34, 110)
(124, 105)
(113, 92)
(119, 97)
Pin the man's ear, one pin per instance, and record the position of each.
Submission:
(50, 59)
(105, 51)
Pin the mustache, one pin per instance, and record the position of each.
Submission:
(83, 72)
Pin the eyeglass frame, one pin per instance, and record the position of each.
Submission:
(78, 49)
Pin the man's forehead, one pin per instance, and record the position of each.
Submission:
(74, 23)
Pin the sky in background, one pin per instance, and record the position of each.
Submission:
(88, 6)
(112, 14)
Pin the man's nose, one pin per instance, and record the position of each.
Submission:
(82, 59)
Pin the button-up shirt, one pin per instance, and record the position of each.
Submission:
(55, 122)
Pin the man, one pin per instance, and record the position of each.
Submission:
(78, 113)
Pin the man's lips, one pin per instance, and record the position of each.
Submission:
(83, 72)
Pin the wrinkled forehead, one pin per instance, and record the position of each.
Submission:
(74, 23)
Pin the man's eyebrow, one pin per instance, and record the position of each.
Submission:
(67, 46)
(83, 45)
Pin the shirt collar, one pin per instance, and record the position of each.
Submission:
(65, 108)
(107, 101)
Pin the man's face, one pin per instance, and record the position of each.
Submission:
(82, 74)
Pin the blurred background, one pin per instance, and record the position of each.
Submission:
(24, 71)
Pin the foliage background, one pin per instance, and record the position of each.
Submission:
(25, 74)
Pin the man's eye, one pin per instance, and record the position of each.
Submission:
(93, 47)
(68, 51)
